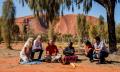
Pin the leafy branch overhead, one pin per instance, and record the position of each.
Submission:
(48, 8)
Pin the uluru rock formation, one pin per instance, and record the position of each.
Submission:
(65, 25)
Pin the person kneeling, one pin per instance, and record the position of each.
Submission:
(26, 51)
(37, 47)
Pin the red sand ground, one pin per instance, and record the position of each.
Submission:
(9, 63)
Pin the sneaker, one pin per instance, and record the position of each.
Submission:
(21, 60)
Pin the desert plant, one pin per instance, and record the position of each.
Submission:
(8, 18)
(82, 28)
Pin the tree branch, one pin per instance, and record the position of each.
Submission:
(101, 2)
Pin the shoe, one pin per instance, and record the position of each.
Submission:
(40, 60)
(21, 60)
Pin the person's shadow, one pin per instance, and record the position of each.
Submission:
(113, 62)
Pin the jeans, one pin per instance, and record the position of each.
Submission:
(36, 50)
(101, 56)
(90, 55)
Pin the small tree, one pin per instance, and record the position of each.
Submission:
(105, 33)
(47, 8)
(8, 18)
(0, 30)
(101, 27)
(93, 32)
(82, 28)
(15, 32)
(118, 33)
(24, 31)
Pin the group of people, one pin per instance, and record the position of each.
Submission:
(97, 50)
(52, 53)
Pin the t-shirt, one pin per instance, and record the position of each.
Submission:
(52, 49)
(37, 44)
(25, 47)
(90, 46)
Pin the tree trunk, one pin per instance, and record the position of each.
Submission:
(79, 41)
(9, 38)
(111, 30)
(50, 31)
(6, 36)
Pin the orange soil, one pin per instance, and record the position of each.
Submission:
(9, 62)
(11, 65)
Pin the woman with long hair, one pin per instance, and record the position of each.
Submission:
(25, 53)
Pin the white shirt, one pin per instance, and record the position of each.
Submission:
(37, 45)
(101, 46)
(22, 52)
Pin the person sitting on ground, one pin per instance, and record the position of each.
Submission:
(100, 50)
(37, 47)
(52, 52)
(69, 55)
(89, 50)
(26, 50)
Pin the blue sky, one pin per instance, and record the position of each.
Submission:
(96, 11)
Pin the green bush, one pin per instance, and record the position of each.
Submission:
(1, 39)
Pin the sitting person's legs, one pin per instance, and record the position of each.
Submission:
(95, 55)
(36, 50)
(32, 54)
(90, 55)
(70, 59)
(65, 60)
(73, 59)
(103, 54)
(56, 58)
(48, 58)
(40, 54)
(23, 59)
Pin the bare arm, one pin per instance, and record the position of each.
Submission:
(97, 49)
(26, 52)
(47, 53)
